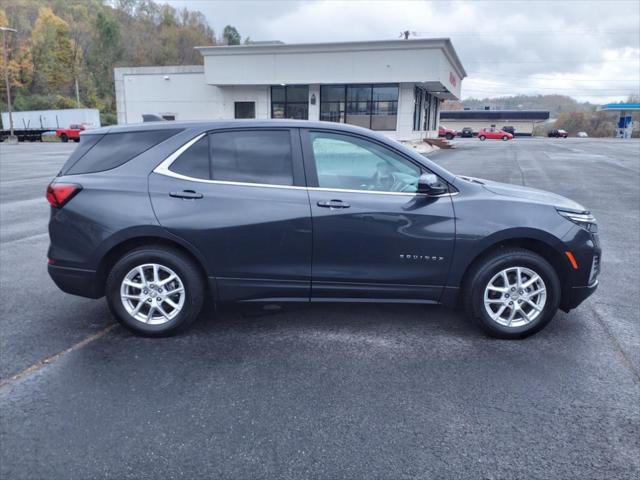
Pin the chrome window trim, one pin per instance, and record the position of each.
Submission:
(163, 169)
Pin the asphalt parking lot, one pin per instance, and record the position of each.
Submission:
(327, 391)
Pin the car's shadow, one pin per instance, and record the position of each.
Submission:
(361, 320)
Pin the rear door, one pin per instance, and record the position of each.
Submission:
(373, 235)
(239, 197)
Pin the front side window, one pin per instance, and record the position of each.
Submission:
(247, 156)
(352, 163)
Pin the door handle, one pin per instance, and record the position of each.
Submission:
(186, 194)
(333, 204)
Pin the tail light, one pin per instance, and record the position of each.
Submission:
(60, 193)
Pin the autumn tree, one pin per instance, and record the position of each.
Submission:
(59, 41)
(52, 51)
(19, 62)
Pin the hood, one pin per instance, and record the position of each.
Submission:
(528, 193)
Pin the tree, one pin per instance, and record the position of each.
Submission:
(59, 41)
(104, 52)
(52, 51)
(230, 35)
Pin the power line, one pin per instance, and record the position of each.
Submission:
(485, 92)
(546, 76)
(584, 89)
(536, 33)
(509, 62)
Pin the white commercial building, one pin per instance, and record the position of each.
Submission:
(395, 86)
(522, 121)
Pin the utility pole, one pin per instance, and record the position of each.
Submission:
(77, 93)
(4, 30)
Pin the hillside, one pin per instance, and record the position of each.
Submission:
(65, 48)
(567, 113)
(555, 104)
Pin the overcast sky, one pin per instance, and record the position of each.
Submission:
(587, 49)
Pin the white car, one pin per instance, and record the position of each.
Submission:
(582, 134)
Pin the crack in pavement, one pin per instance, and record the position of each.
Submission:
(53, 358)
(617, 345)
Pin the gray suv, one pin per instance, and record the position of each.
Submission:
(160, 217)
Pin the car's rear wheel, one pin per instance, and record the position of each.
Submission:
(64, 138)
(513, 293)
(155, 290)
(482, 138)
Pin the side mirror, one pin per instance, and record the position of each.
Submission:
(430, 184)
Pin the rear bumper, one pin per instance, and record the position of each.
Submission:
(76, 281)
(576, 296)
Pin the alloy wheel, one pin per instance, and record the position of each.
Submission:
(152, 293)
(515, 296)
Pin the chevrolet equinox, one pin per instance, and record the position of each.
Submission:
(158, 217)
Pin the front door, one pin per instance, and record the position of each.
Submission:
(238, 196)
(373, 235)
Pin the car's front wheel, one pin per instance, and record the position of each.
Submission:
(449, 136)
(482, 138)
(155, 290)
(505, 138)
(513, 293)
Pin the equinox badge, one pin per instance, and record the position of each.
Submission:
(426, 258)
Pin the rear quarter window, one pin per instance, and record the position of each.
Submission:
(97, 153)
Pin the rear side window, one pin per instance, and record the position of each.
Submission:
(194, 162)
(86, 143)
(252, 156)
(114, 149)
(248, 156)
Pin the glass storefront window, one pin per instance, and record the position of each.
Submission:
(332, 111)
(290, 101)
(370, 106)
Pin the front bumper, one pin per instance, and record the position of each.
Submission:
(576, 295)
(76, 281)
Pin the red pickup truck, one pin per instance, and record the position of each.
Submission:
(71, 133)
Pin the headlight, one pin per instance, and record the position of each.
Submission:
(584, 220)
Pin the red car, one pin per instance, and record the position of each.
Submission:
(494, 134)
(71, 133)
(448, 133)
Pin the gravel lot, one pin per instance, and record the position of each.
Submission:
(327, 391)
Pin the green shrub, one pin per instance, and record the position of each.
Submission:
(43, 102)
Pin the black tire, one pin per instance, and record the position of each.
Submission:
(77, 140)
(186, 269)
(487, 267)
(505, 138)
(449, 136)
(64, 138)
(482, 138)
